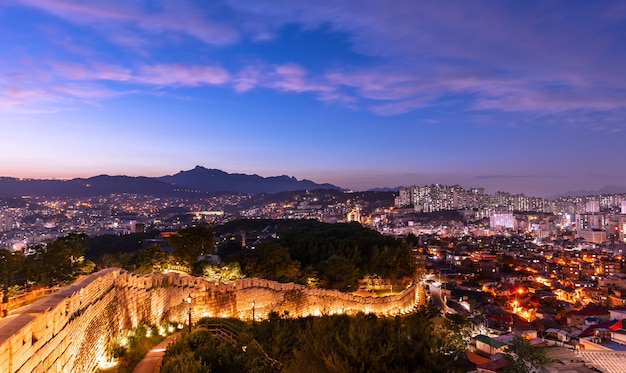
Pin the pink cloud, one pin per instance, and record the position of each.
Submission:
(95, 71)
(292, 77)
(400, 107)
(84, 11)
(32, 98)
(116, 19)
(392, 93)
(165, 74)
(538, 99)
(500, 57)
(504, 57)
(247, 79)
(17, 95)
(73, 83)
(178, 74)
(88, 91)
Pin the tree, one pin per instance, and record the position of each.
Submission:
(227, 272)
(113, 243)
(392, 262)
(271, 261)
(10, 264)
(189, 243)
(339, 273)
(120, 260)
(460, 326)
(151, 259)
(229, 248)
(522, 357)
(412, 240)
(59, 261)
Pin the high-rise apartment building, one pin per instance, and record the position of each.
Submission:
(502, 221)
(592, 206)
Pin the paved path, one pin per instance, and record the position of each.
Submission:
(152, 362)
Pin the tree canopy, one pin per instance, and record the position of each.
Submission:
(340, 343)
(189, 243)
(337, 255)
(57, 262)
(151, 259)
(271, 261)
(522, 357)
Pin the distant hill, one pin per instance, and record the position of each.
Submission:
(609, 189)
(93, 186)
(396, 189)
(198, 180)
(212, 180)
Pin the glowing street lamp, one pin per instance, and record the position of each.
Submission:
(520, 291)
(189, 302)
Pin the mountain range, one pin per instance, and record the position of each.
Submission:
(609, 189)
(197, 180)
(212, 180)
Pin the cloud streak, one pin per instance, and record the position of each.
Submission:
(513, 57)
(120, 19)
(500, 58)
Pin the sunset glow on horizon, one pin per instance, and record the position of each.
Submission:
(525, 97)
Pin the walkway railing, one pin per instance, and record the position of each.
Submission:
(177, 267)
(24, 299)
(226, 333)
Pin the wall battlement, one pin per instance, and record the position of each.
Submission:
(69, 330)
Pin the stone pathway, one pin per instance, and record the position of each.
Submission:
(152, 362)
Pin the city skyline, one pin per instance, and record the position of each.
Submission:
(520, 97)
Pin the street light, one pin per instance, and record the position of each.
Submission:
(520, 292)
(252, 312)
(189, 302)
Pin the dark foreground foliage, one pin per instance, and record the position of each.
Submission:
(421, 342)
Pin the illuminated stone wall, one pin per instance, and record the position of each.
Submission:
(69, 331)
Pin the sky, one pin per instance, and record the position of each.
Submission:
(520, 96)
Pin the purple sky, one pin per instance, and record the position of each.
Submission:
(520, 96)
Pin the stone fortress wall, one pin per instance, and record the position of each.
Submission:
(69, 330)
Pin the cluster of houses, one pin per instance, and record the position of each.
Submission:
(573, 297)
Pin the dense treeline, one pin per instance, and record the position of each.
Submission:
(309, 252)
(112, 250)
(420, 342)
(61, 261)
(370, 252)
(113, 244)
(57, 263)
(335, 255)
(256, 225)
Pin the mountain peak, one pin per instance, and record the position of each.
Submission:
(198, 179)
(213, 180)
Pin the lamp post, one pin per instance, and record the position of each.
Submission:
(252, 312)
(189, 302)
